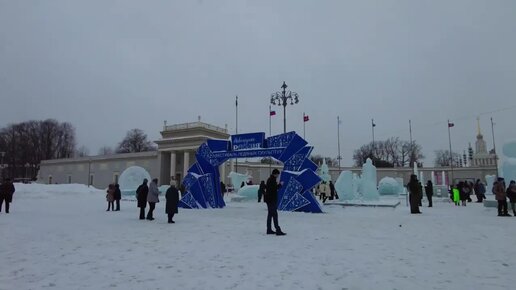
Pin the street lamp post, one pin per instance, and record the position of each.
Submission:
(281, 99)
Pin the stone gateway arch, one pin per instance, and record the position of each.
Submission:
(202, 182)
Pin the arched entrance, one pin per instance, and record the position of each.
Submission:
(202, 182)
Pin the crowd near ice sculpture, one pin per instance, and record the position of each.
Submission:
(131, 178)
(202, 182)
(389, 186)
(509, 165)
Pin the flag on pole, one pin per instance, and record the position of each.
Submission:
(372, 123)
(450, 125)
(306, 118)
(272, 113)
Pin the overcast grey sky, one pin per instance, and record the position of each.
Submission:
(109, 66)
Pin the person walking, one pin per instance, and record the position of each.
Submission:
(261, 191)
(429, 190)
(110, 197)
(501, 197)
(118, 196)
(465, 192)
(141, 197)
(511, 194)
(222, 188)
(323, 190)
(172, 197)
(6, 194)
(480, 190)
(271, 198)
(415, 193)
(152, 198)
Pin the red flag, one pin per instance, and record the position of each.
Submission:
(306, 118)
(272, 113)
(450, 125)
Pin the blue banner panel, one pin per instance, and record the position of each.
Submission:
(247, 141)
(218, 145)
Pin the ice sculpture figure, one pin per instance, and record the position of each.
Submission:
(237, 179)
(389, 186)
(509, 165)
(346, 186)
(325, 172)
(490, 179)
(132, 177)
(368, 187)
(249, 192)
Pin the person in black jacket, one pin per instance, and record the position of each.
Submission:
(118, 196)
(480, 190)
(141, 197)
(511, 194)
(172, 197)
(415, 193)
(429, 190)
(261, 191)
(271, 198)
(6, 194)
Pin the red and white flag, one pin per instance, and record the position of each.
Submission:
(272, 113)
(306, 118)
(450, 125)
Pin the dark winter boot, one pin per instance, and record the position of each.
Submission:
(271, 232)
(280, 233)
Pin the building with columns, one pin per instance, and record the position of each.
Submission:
(176, 153)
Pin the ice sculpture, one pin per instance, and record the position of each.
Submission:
(509, 165)
(389, 186)
(325, 172)
(368, 187)
(237, 179)
(490, 179)
(132, 177)
(249, 192)
(346, 186)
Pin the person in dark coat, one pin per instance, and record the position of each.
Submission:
(465, 192)
(415, 193)
(222, 188)
(261, 191)
(480, 190)
(332, 190)
(511, 194)
(429, 190)
(6, 194)
(141, 197)
(501, 197)
(172, 197)
(271, 198)
(118, 196)
(110, 197)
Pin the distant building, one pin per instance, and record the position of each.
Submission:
(481, 157)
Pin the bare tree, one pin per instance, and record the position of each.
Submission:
(135, 141)
(106, 150)
(27, 143)
(392, 152)
(82, 151)
(442, 158)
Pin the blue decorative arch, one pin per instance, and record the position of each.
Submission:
(202, 182)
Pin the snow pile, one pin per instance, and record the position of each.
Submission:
(36, 190)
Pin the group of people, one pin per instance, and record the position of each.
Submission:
(113, 194)
(461, 192)
(501, 193)
(6, 194)
(326, 190)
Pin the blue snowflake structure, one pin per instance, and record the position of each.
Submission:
(202, 182)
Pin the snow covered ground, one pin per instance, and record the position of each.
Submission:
(61, 237)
